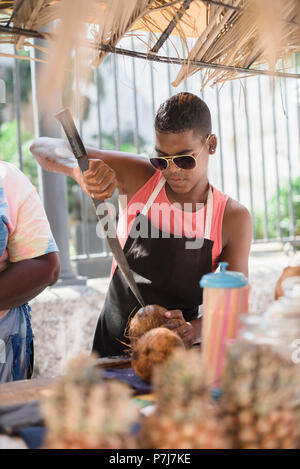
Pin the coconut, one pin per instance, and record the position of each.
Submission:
(290, 271)
(152, 349)
(146, 318)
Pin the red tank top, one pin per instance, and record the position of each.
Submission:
(171, 218)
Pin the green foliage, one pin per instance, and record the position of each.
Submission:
(284, 191)
(284, 207)
(9, 149)
(298, 59)
(25, 78)
(258, 220)
(127, 141)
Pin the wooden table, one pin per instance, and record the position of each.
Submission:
(16, 392)
(19, 392)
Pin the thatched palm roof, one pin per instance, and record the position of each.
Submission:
(229, 38)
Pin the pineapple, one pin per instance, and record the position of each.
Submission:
(184, 417)
(85, 412)
(256, 406)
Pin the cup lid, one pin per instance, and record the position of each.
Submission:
(224, 278)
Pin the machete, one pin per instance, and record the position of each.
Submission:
(80, 153)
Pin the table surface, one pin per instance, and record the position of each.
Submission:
(19, 392)
(16, 392)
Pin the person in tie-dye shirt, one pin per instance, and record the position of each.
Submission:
(28, 264)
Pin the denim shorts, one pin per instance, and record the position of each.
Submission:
(15, 344)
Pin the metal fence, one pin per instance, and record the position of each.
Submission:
(256, 121)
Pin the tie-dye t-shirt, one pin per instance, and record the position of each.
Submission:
(24, 229)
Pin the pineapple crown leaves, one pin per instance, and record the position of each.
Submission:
(257, 376)
(111, 410)
(82, 371)
(83, 403)
(180, 379)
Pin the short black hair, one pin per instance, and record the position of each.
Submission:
(183, 111)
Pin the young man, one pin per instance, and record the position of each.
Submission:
(175, 227)
(28, 264)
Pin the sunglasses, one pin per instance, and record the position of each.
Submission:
(181, 161)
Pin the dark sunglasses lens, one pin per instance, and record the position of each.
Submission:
(159, 163)
(185, 162)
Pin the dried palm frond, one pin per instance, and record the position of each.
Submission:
(32, 15)
(257, 32)
(70, 32)
(117, 18)
(109, 21)
(214, 30)
(226, 37)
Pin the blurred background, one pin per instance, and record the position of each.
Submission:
(256, 120)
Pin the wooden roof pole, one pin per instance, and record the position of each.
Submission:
(184, 7)
(179, 61)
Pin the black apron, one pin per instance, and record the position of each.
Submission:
(169, 276)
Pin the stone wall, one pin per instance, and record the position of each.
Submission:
(63, 321)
